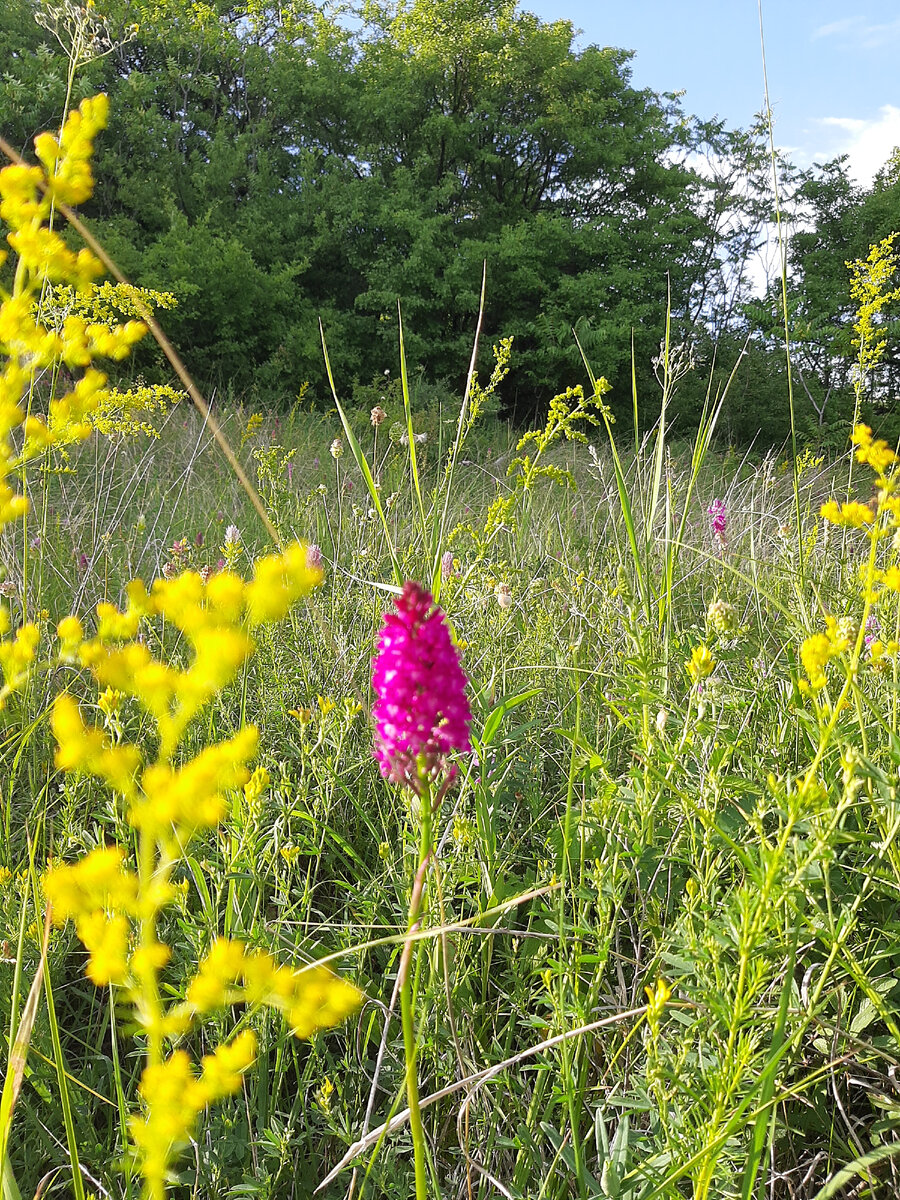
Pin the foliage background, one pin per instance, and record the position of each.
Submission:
(271, 168)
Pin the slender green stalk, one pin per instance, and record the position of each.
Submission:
(407, 992)
(64, 1097)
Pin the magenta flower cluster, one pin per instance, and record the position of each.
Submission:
(718, 519)
(421, 710)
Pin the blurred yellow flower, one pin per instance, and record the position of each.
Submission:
(701, 664)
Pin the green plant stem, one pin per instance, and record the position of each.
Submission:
(406, 988)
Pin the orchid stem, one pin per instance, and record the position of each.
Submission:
(406, 988)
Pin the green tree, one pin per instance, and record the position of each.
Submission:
(840, 221)
(274, 166)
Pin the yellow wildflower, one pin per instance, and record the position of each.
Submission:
(83, 748)
(256, 785)
(222, 1070)
(279, 581)
(225, 596)
(173, 1097)
(815, 654)
(106, 940)
(67, 161)
(11, 506)
(70, 634)
(701, 664)
(218, 973)
(29, 342)
(819, 649)
(17, 656)
(47, 256)
(97, 882)
(877, 454)
(657, 998)
(21, 202)
(191, 797)
(890, 578)
(850, 513)
(310, 998)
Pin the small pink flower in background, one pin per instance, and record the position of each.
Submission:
(179, 548)
(421, 710)
(198, 540)
(82, 561)
(718, 519)
(290, 473)
(447, 571)
(313, 556)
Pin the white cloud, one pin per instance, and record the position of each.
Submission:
(836, 27)
(867, 142)
(868, 35)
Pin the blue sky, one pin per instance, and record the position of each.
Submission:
(833, 65)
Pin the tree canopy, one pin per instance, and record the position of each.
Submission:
(272, 166)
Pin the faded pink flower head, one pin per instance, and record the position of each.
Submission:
(421, 706)
(718, 518)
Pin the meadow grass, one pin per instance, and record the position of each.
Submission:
(646, 944)
(619, 827)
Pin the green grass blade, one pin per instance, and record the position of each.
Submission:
(20, 1039)
(624, 497)
(440, 529)
(362, 462)
(410, 432)
(767, 1087)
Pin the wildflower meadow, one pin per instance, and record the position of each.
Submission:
(399, 802)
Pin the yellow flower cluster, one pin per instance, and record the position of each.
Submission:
(256, 785)
(850, 513)
(98, 881)
(126, 413)
(28, 345)
(885, 515)
(99, 895)
(310, 998)
(819, 649)
(192, 797)
(880, 652)
(16, 656)
(174, 1096)
(68, 161)
(870, 280)
(90, 752)
(876, 453)
(212, 616)
(116, 910)
(701, 664)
